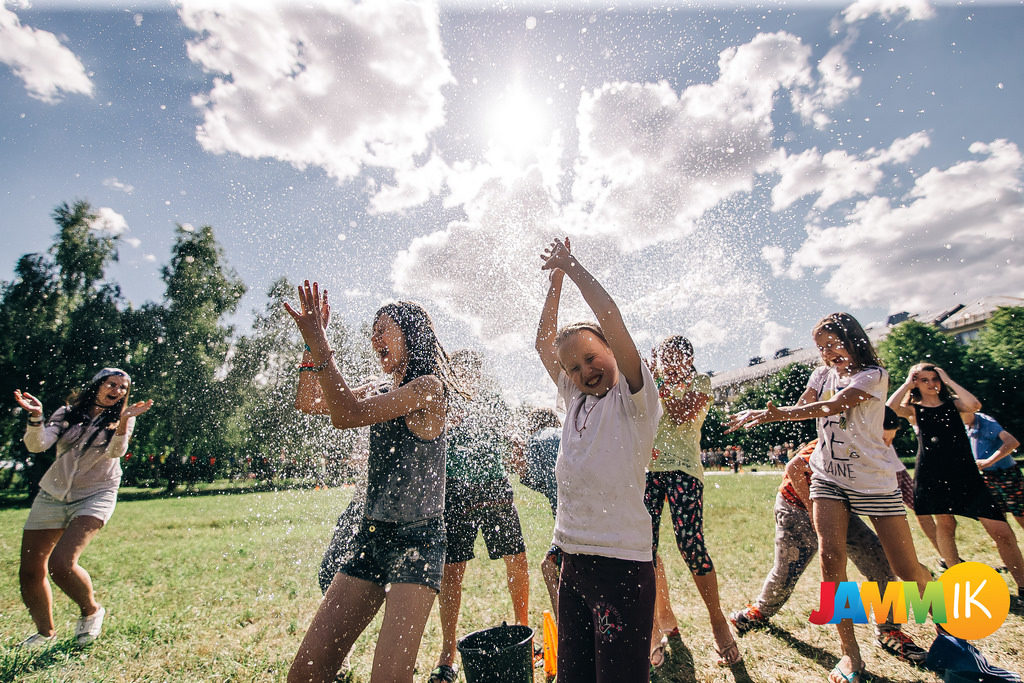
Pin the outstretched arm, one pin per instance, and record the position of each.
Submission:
(844, 400)
(627, 358)
(547, 330)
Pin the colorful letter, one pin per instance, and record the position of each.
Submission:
(893, 602)
(848, 604)
(826, 604)
(931, 599)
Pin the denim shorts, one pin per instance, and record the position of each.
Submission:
(50, 513)
(397, 552)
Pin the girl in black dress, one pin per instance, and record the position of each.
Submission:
(946, 478)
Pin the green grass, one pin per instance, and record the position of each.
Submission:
(222, 587)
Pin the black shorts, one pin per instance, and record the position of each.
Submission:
(397, 552)
(498, 522)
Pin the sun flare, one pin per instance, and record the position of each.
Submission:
(517, 123)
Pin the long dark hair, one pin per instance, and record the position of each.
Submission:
(855, 340)
(423, 350)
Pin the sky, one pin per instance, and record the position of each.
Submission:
(729, 171)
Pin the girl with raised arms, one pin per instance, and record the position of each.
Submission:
(852, 468)
(400, 542)
(606, 591)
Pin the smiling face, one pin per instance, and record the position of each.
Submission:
(111, 390)
(833, 352)
(389, 344)
(588, 362)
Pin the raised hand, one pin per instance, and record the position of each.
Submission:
(28, 402)
(136, 409)
(313, 314)
(557, 256)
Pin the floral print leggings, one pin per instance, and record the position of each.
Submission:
(685, 496)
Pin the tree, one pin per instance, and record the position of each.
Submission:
(783, 388)
(274, 439)
(996, 368)
(184, 362)
(60, 322)
(912, 342)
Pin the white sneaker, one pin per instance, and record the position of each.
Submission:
(36, 641)
(88, 628)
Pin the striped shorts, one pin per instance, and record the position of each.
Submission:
(867, 504)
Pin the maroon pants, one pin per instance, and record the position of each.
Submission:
(605, 617)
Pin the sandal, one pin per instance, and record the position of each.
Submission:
(836, 675)
(658, 653)
(729, 655)
(444, 674)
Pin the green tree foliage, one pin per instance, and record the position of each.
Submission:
(274, 439)
(912, 342)
(996, 365)
(783, 388)
(59, 321)
(186, 360)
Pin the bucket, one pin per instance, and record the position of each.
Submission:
(503, 654)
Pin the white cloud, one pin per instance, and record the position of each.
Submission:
(115, 184)
(775, 336)
(837, 175)
(48, 69)
(337, 85)
(412, 186)
(652, 162)
(132, 241)
(109, 221)
(914, 10)
(151, 258)
(954, 236)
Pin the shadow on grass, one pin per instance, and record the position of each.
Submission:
(679, 666)
(15, 663)
(823, 658)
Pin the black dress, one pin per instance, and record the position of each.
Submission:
(946, 477)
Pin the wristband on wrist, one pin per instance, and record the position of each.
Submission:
(323, 366)
(306, 347)
(35, 421)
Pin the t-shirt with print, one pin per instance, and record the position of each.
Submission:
(984, 435)
(677, 446)
(851, 452)
(601, 471)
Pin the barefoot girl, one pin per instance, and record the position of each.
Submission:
(946, 479)
(76, 496)
(675, 473)
(852, 469)
(400, 541)
(606, 591)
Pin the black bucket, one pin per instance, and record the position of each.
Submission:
(503, 654)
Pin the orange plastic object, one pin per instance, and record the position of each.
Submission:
(550, 645)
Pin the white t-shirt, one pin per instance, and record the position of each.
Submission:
(851, 452)
(606, 445)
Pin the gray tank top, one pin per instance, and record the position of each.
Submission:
(405, 478)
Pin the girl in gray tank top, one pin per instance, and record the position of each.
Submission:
(400, 541)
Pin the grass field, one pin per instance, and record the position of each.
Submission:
(222, 587)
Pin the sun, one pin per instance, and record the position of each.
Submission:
(517, 123)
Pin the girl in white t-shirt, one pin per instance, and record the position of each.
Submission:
(606, 592)
(852, 469)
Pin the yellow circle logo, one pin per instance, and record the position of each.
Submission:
(977, 600)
